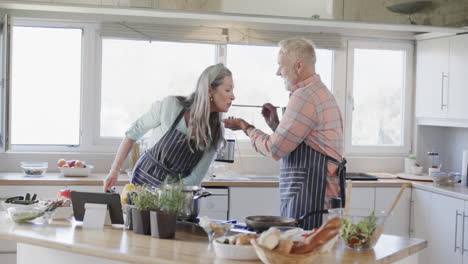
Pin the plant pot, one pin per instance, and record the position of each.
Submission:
(141, 222)
(163, 224)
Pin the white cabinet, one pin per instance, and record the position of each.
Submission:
(420, 221)
(245, 201)
(442, 79)
(398, 222)
(458, 77)
(440, 220)
(432, 65)
(362, 197)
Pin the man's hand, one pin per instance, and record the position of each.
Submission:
(236, 124)
(270, 115)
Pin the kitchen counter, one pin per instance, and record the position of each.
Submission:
(56, 179)
(73, 243)
(14, 178)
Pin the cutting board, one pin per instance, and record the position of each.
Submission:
(382, 175)
(413, 177)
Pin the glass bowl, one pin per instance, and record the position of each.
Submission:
(30, 215)
(362, 228)
(444, 179)
(34, 168)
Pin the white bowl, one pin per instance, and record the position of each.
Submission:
(33, 168)
(227, 251)
(80, 172)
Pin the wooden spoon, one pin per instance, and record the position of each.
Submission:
(379, 228)
(349, 187)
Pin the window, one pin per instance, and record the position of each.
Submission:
(255, 81)
(379, 85)
(136, 73)
(45, 85)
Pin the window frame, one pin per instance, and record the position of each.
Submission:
(407, 98)
(89, 33)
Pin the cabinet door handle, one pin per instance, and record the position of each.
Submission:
(456, 229)
(463, 233)
(442, 92)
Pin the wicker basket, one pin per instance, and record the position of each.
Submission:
(272, 257)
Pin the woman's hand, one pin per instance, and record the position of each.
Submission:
(236, 124)
(110, 180)
(270, 115)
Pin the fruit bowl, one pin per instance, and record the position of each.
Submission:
(34, 168)
(362, 228)
(78, 172)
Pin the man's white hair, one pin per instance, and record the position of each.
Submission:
(299, 48)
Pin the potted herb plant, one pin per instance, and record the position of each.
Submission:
(144, 201)
(163, 220)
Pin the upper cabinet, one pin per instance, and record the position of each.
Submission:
(442, 81)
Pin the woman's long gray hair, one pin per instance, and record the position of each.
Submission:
(205, 125)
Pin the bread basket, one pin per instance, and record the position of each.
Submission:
(268, 256)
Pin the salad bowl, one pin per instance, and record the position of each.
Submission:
(362, 228)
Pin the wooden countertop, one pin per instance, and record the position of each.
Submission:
(56, 179)
(188, 247)
(14, 178)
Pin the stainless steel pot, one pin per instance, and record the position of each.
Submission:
(191, 206)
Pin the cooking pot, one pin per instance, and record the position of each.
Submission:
(191, 207)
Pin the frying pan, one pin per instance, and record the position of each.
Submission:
(260, 223)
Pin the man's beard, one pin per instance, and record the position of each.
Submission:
(290, 82)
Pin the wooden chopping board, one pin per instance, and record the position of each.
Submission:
(413, 177)
(382, 175)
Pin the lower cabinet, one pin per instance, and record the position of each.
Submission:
(441, 220)
(245, 201)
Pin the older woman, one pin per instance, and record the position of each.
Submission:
(187, 130)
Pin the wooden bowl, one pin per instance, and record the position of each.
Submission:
(272, 257)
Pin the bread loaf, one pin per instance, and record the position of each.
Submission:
(269, 238)
(284, 246)
(325, 233)
(245, 239)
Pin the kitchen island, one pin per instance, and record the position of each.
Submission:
(68, 242)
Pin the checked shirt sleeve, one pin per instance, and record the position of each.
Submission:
(298, 120)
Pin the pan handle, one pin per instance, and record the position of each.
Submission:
(302, 218)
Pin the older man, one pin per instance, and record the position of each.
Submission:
(308, 139)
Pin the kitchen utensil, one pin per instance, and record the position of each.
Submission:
(260, 223)
(226, 153)
(77, 172)
(191, 206)
(349, 187)
(378, 230)
(412, 177)
(257, 106)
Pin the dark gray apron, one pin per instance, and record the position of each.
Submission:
(170, 157)
(303, 182)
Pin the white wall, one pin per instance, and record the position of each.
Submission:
(449, 142)
(296, 8)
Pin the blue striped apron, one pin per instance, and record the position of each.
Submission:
(303, 182)
(170, 157)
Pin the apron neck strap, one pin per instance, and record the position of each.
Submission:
(179, 117)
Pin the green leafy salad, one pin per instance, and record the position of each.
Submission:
(359, 235)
